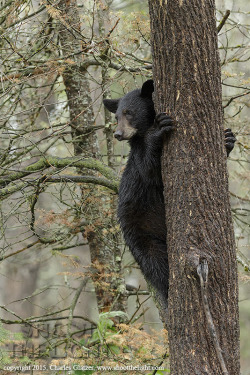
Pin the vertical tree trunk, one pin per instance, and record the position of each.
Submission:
(203, 321)
(107, 273)
(103, 13)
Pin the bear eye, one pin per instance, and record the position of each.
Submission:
(127, 112)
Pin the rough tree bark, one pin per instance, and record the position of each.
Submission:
(203, 321)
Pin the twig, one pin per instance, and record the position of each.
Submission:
(238, 197)
(235, 97)
(223, 21)
(35, 197)
(74, 302)
(136, 311)
(41, 319)
(113, 185)
(24, 18)
(166, 355)
(110, 31)
(243, 263)
(19, 251)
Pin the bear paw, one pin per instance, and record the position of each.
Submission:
(229, 140)
(163, 121)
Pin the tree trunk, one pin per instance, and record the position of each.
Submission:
(107, 274)
(203, 322)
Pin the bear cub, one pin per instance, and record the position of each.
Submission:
(141, 210)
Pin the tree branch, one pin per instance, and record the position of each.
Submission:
(44, 69)
(20, 251)
(235, 97)
(223, 21)
(51, 161)
(113, 185)
(82, 285)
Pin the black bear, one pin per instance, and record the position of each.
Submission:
(141, 210)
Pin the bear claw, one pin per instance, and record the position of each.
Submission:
(229, 140)
(163, 120)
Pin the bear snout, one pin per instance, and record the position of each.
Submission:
(118, 135)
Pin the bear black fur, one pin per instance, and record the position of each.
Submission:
(141, 210)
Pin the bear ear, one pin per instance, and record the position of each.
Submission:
(147, 89)
(111, 104)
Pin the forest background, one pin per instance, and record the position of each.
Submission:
(69, 286)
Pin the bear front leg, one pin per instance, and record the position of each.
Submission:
(163, 124)
(229, 140)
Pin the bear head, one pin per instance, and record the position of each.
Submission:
(134, 112)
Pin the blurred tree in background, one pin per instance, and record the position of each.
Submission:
(67, 280)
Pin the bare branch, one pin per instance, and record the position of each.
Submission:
(111, 184)
(223, 21)
(58, 163)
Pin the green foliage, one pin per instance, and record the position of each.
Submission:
(105, 327)
(119, 344)
(6, 337)
(4, 357)
(81, 372)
